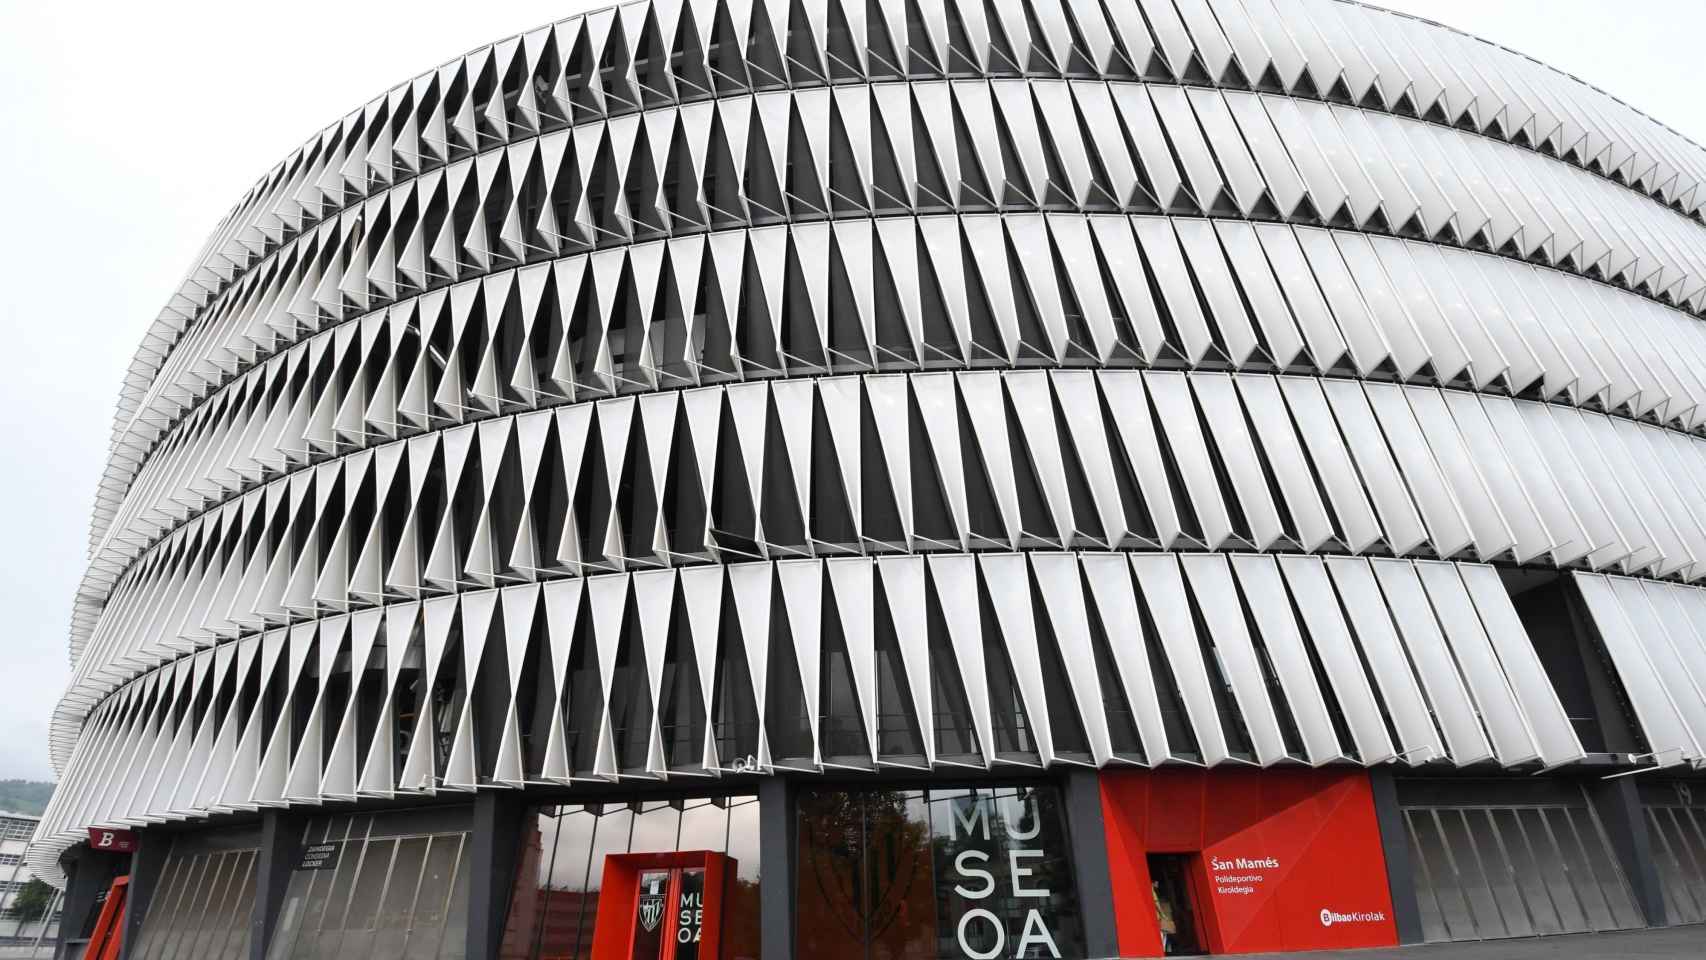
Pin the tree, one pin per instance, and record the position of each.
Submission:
(32, 901)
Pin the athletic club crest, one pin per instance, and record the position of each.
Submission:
(650, 907)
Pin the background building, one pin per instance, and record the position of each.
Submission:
(914, 479)
(16, 829)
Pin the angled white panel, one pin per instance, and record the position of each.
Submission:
(1109, 575)
(1063, 597)
(1259, 579)
(1306, 578)
(1009, 587)
(802, 597)
(1441, 678)
(1230, 434)
(903, 586)
(702, 593)
(1211, 581)
(1507, 728)
(751, 583)
(852, 580)
(1162, 588)
(955, 580)
(1371, 623)
(1171, 394)
(1554, 736)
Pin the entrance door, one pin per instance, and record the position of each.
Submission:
(1175, 915)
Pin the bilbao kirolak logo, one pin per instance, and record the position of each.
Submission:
(1330, 917)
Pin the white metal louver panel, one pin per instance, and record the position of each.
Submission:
(801, 582)
(562, 602)
(1666, 732)
(702, 597)
(1400, 522)
(1230, 434)
(1440, 676)
(1284, 452)
(1547, 721)
(1115, 601)
(1659, 637)
(852, 581)
(1171, 394)
(1009, 585)
(1507, 728)
(1270, 608)
(903, 587)
(1062, 591)
(954, 579)
(1307, 581)
(1135, 425)
(1463, 476)
(654, 603)
(750, 584)
(1162, 588)
(1371, 623)
(1211, 581)
(1412, 449)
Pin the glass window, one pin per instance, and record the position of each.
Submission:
(672, 877)
(203, 901)
(378, 888)
(962, 874)
(1515, 870)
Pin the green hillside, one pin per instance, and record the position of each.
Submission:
(24, 796)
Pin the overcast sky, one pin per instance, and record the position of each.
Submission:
(129, 131)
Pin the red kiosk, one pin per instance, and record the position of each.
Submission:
(661, 906)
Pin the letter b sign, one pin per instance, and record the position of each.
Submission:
(111, 841)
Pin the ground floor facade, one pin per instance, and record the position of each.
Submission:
(1124, 862)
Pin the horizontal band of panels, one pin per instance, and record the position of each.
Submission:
(646, 55)
(898, 463)
(896, 148)
(850, 663)
(903, 294)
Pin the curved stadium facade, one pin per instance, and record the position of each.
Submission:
(913, 478)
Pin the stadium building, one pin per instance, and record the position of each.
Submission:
(863, 479)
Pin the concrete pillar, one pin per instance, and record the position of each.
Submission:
(281, 840)
(1395, 843)
(146, 863)
(778, 853)
(1089, 851)
(88, 874)
(1618, 803)
(495, 849)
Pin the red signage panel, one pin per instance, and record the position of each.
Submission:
(111, 841)
(1276, 860)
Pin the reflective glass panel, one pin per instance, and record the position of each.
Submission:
(646, 879)
(921, 874)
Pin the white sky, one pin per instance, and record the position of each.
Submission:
(129, 130)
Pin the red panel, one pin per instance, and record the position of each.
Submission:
(1288, 859)
(1124, 802)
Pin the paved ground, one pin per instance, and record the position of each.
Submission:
(1662, 944)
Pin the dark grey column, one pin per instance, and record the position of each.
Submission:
(495, 848)
(281, 837)
(1618, 803)
(87, 876)
(1395, 843)
(777, 853)
(145, 866)
(1089, 839)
